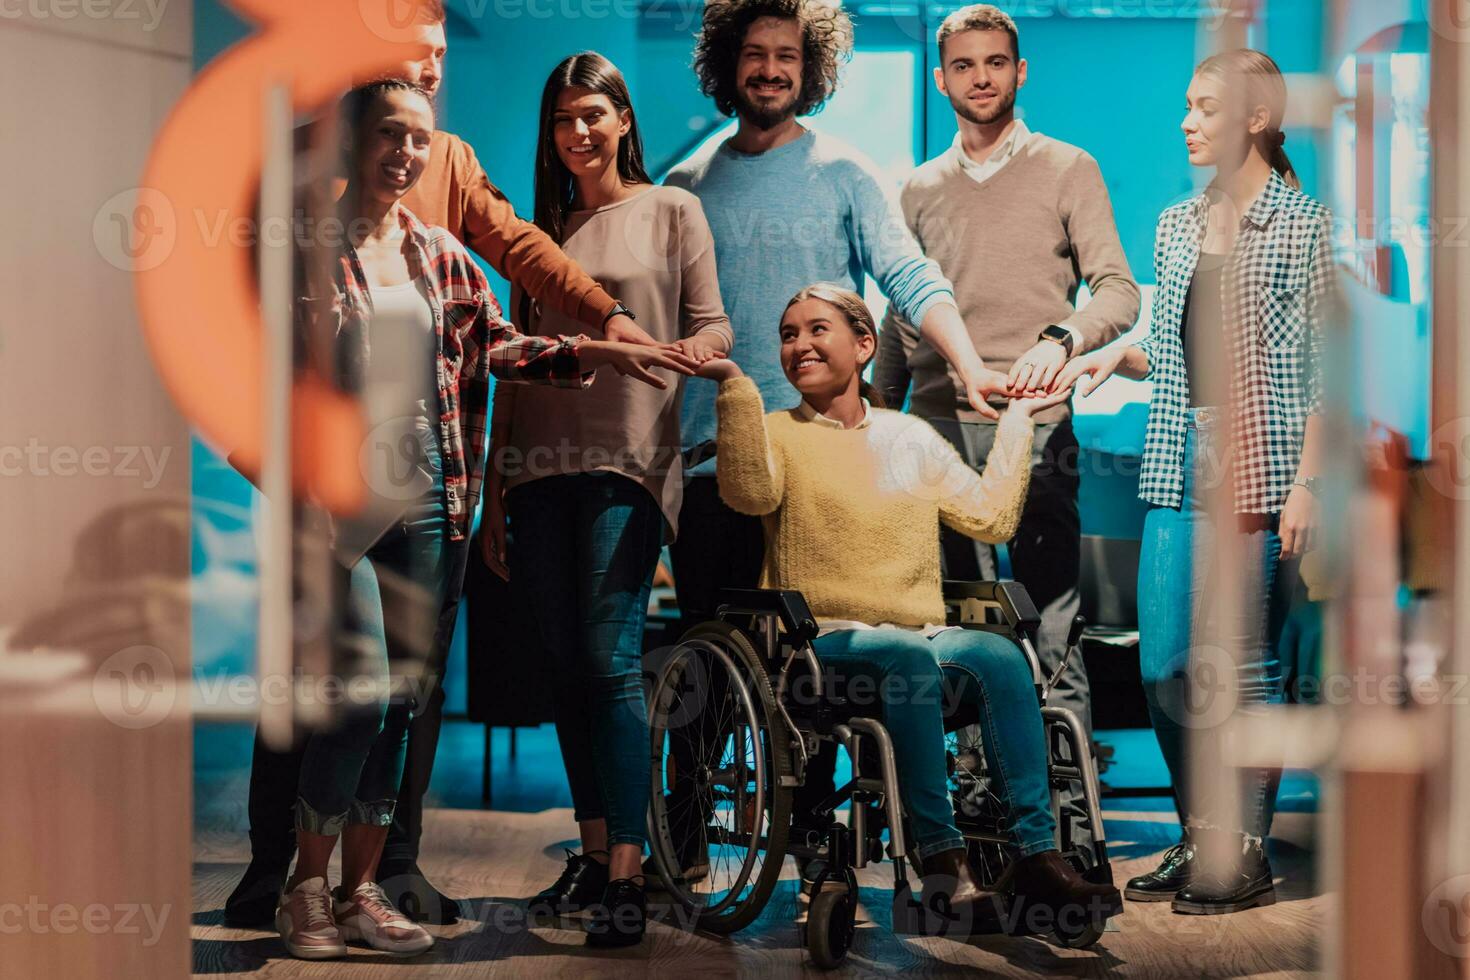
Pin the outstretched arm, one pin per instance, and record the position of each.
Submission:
(987, 506)
(751, 471)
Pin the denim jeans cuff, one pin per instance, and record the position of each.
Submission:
(378, 813)
(1035, 847)
(315, 822)
(927, 851)
(581, 816)
(613, 839)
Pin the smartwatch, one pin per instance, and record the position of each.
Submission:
(618, 309)
(1059, 335)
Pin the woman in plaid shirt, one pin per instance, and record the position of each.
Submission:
(1245, 276)
(418, 334)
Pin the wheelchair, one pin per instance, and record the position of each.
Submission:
(739, 709)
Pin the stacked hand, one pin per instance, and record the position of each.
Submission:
(1037, 369)
(1096, 367)
(698, 349)
(719, 369)
(1029, 405)
(987, 385)
(638, 361)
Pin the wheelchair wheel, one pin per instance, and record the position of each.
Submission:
(975, 805)
(1077, 937)
(830, 924)
(720, 813)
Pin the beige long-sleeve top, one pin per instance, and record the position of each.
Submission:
(655, 253)
(1017, 247)
(852, 515)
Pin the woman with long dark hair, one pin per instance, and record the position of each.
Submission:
(1245, 275)
(594, 483)
(402, 286)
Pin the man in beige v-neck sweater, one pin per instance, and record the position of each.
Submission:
(1016, 220)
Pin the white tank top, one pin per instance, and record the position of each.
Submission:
(400, 352)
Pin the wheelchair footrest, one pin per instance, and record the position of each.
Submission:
(912, 918)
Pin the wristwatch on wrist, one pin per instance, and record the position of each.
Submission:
(1312, 483)
(1060, 335)
(618, 309)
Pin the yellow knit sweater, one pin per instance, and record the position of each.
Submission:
(852, 515)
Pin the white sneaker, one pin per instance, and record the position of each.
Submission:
(367, 916)
(304, 920)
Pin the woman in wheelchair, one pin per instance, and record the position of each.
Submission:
(852, 497)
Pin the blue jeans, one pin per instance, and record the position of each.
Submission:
(986, 672)
(391, 599)
(1184, 640)
(582, 560)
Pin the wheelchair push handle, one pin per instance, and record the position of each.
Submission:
(1074, 635)
(1010, 598)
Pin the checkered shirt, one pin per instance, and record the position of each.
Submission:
(474, 342)
(1279, 290)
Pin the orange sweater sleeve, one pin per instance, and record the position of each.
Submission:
(518, 250)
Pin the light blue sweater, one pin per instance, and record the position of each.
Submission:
(812, 210)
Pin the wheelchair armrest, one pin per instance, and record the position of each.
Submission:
(1011, 598)
(787, 604)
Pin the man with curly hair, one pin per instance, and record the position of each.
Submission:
(788, 207)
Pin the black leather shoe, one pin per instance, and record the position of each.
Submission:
(1172, 874)
(420, 901)
(1047, 892)
(581, 884)
(1246, 885)
(620, 917)
(252, 905)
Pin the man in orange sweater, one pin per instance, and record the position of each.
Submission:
(454, 193)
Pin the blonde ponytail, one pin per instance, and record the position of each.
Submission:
(1263, 85)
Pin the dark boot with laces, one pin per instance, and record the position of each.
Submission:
(581, 884)
(1172, 874)
(1231, 875)
(620, 917)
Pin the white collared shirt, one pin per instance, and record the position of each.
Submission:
(999, 157)
(809, 414)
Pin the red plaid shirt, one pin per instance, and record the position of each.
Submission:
(474, 342)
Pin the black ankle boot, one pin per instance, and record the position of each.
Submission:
(620, 917)
(1172, 874)
(418, 900)
(1222, 884)
(252, 905)
(581, 884)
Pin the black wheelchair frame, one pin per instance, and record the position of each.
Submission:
(731, 738)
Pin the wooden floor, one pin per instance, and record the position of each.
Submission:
(494, 859)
